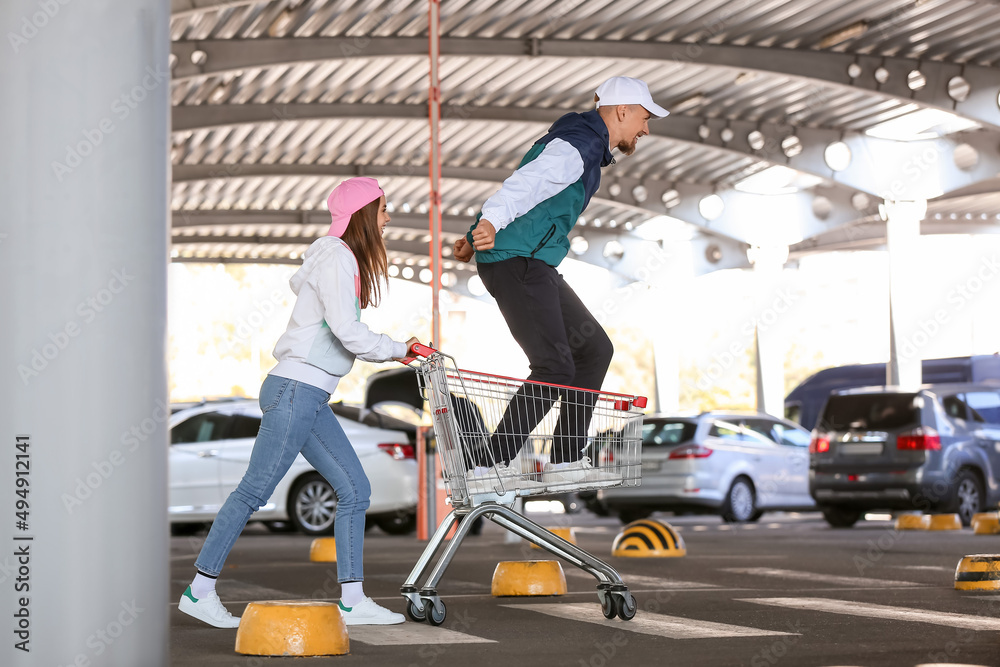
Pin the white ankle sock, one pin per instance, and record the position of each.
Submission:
(352, 592)
(202, 585)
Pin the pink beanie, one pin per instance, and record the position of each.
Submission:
(348, 198)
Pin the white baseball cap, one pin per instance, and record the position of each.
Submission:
(626, 90)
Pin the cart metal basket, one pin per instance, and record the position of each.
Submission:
(497, 439)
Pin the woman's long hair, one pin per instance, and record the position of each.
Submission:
(362, 236)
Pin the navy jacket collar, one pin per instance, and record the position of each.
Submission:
(593, 120)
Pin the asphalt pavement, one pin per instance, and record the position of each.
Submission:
(787, 590)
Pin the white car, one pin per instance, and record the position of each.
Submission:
(736, 465)
(210, 446)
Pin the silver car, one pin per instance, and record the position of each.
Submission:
(210, 447)
(736, 465)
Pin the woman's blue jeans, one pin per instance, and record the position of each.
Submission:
(297, 418)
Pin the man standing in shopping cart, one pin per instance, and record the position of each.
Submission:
(519, 238)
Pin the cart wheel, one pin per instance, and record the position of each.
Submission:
(608, 606)
(414, 613)
(436, 613)
(626, 607)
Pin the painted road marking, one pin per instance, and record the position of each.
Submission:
(822, 578)
(637, 580)
(410, 633)
(673, 627)
(883, 612)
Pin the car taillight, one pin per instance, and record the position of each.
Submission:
(606, 457)
(920, 438)
(819, 444)
(398, 451)
(691, 452)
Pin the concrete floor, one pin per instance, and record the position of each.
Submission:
(787, 590)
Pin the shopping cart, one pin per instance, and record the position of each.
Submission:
(471, 417)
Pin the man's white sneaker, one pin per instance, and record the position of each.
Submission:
(208, 608)
(367, 612)
(579, 472)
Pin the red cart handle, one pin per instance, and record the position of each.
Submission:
(417, 350)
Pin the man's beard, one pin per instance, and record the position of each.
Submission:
(627, 147)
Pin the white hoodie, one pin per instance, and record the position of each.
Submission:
(325, 332)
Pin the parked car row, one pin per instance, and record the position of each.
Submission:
(210, 447)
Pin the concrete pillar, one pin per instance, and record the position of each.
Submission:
(670, 279)
(83, 399)
(902, 234)
(768, 345)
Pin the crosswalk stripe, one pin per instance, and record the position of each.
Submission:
(410, 633)
(641, 581)
(799, 575)
(673, 627)
(883, 612)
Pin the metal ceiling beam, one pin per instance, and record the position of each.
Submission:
(976, 98)
(745, 217)
(181, 219)
(881, 168)
(870, 234)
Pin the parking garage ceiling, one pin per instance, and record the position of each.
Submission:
(791, 120)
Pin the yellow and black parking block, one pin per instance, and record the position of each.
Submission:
(292, 627)
(986, 523)
(980, 572)
(513, 578)
(323, 550)
(647, 538)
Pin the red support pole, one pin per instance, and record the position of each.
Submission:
(434, 115)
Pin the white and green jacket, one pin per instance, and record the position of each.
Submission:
(325, 333)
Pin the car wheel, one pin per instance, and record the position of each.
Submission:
(968, 496)
(628, 516)
(738, 507)
(312, 505)
(400, 524)
(840, 517)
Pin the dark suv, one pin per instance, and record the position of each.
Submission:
(880, 448)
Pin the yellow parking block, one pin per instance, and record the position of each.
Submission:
(567, 534)
(292, 627)
(942, 522)
(528, 577)
(910, 522)
(323, 550)
(648, 538)
(978, 573)
(987, 523)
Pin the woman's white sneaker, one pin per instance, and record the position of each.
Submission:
(367, 612)
(208, 608)
(579, 472)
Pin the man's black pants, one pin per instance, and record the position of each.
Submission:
(565, 345)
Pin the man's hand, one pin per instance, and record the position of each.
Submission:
(483, 235)
(463, 251)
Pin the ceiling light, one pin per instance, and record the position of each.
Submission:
(837, 156)
(579, 245)
(921, 124)
(475, 286)
(664, 228)
(711, 207)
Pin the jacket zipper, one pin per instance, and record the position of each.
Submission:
(552, 230)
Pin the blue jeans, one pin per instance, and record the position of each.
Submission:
(297, 417)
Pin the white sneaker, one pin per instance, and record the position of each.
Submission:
(208, 608)
(499, 478)
(579, 472)
(367, 612)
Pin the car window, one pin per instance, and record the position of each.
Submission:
(203, 427)
(984, 406)
(667, 433)
(721, 429)
(955, 407)
(791, 437)
(243, 426)
(793, 412)
(762, 427)
(871, 412)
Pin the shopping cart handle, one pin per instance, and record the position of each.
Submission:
(418, 350)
